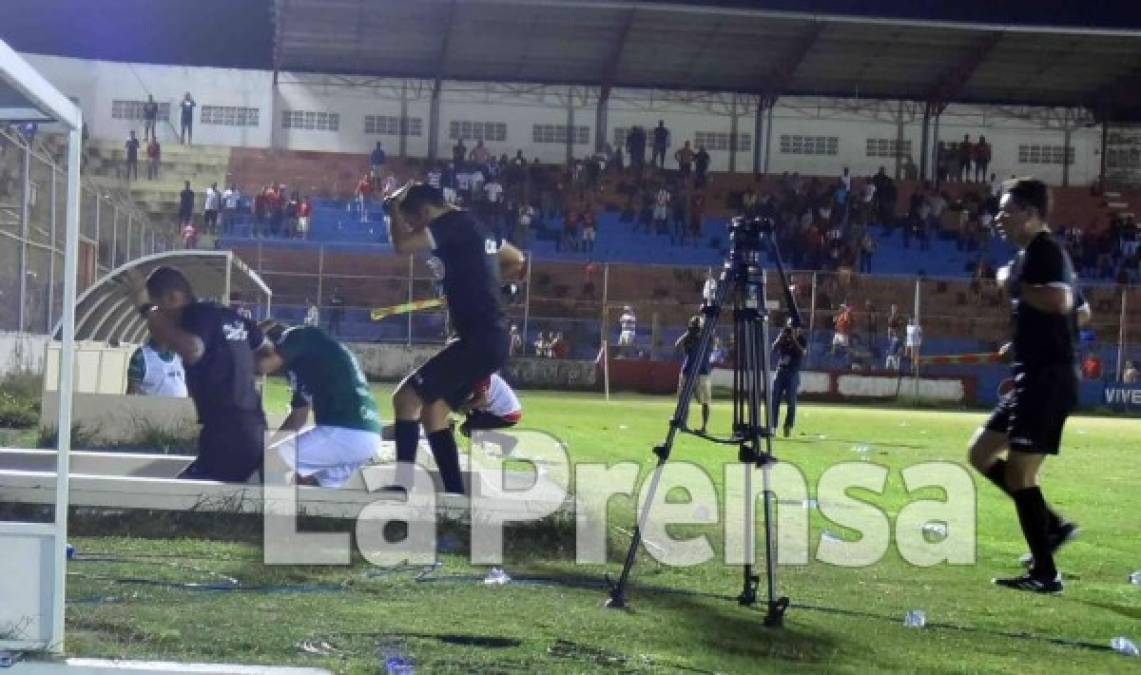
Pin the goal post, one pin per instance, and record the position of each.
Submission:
(33, 567)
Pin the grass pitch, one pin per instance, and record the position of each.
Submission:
(551, 619)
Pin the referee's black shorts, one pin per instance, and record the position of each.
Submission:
(1033, 415)
(453, 373)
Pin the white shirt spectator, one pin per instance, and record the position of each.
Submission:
(389, 186)
(869, 192)
(434, 178)
(312, 316)
(846, 180)
(709, 290)
(996, 188)
(212, 199)
(477, 181)
(663, 198)
(494, 191)
(526, 215)
(230, 198)
(463, 181)
(914, 336)
(938, 205)
(628, 325)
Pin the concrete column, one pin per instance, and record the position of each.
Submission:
(601, 121)
(434, 122)
(733, 136)
(570, 124)
(403, 149)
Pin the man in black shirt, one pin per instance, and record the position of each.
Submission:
(661, 142)
(218, 348)
(185, 205)
(473, 260)
(789, 346)
(132, 156)
(1034, 405)
(150, 118)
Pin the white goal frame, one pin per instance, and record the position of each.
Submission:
(33, 562)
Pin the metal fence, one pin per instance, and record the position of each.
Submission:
(583, 302)
(33, 175)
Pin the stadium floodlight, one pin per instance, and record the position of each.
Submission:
(33, 566)
(742, 282)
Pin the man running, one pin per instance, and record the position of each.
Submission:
(326, 380)
(1029, 418)
(473, 260)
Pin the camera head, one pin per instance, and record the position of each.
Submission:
(747, 233)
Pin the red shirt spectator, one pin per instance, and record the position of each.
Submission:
(305, 209)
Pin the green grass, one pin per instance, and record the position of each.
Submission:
(854, 624)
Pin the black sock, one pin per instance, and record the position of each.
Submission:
(1032, 515)
(407, 438)
(447, 456)
(997, 475)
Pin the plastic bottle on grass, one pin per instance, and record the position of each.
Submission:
(1135, 578)
(1125, 647)
(916, 618)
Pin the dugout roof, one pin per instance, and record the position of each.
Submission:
(103, 313)
(703, 46)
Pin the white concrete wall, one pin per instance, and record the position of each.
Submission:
(97, 83)
(22, 352)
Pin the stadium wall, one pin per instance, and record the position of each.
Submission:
(852, 122)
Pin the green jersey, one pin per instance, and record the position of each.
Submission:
(325, 375)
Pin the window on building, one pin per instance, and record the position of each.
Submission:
(309, 119)
(719, 140)
(479, 131)
(133, 110)
(885, 147)
(1045, 154)
(229, 116)
(620, 137)
(557, 133)
(792, 144)
(390, 125)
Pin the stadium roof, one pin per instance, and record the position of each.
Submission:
(104, 313)
(720, 47)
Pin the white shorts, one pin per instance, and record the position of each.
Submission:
(840, 340)
(626, 338)
(331, 454)
(661, 213)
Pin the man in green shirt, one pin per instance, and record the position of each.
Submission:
(327, 381)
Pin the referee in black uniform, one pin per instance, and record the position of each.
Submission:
(218, 348)
(1029, 418)
(474, 260)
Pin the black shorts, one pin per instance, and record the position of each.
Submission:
(1033, 415)
(453, 373)
(230, 450)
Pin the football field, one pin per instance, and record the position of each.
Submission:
(195, 596)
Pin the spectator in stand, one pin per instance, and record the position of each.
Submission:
(701, 164)
(661, 142)
(150, 118)
(559, 348)
(292, 215)
(459, 154)
(885, 198)
(696, 216)
(867, 250)
(966, 155)
(684, 157)
(895, 327)
(846, 180)
(230, 200)
(376, 161)
(515, 346)
(261, 211)
(336, 306)
(435, 175)
(132, 146)
(154, 159)
(636, 149)
(942, 163)
(480, 155)
(493, 191)
(187, 106)
(1130, 375)
(981, 157)
(680, 219)
(304, 213)
(913, 340)
(210, 207)
(312, 314)
(525, 219)
(185, 204)
(189, 235)
(842, 323)
(388, 185)
(628, 328)
(569, 235)
(589, 230)
(662, 210)
(275, 199)
(364, 191)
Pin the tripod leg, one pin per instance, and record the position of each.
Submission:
(776, 606)
(618, 591)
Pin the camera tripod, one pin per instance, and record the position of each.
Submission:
(742, 282)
